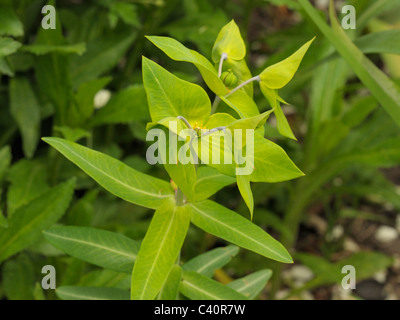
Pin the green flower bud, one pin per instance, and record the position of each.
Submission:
(229, 79)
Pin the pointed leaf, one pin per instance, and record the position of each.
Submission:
(18, 278)
(271, 163)
(170, 289)
(209, 181)
(243, 184)
(381, 86)
(279, 74)
(177, 51)
(5, 160)
(100, 247)
(27, 223)
(116, 177)
(26, 111)
(8, 46)
(159, 250)
(229, 41)
(208, 262)
(10, 24)
(251, 285)
(101, 55)
(28, 180)
(91, 293)
(169, 96)
(281, 121)
(128, 105)
(198, 287)
(230, 226)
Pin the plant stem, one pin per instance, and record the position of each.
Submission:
(224, 56)
(256, 78)
(215, 104)
(179, 197)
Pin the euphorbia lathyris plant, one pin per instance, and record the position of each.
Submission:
(177, 106)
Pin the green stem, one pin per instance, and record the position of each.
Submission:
(179, 197)
(256, 78)
(215, 104)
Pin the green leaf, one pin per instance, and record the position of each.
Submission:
(177, 51)
(6, 68)
(209, 181)
(281, 121)
(383, 88)
(38, 292)
(5, 160)
(3, 220)
(106, 278)
(10, 24)
(91, 293)
(129, 104)
(82, 211)
(279, 74)
(243, 184)
(242, 104)
(198, 287)
(26, 111)
(208, 262)
(387, 41)
(251, 286)
(170, 289)
(18, 277)
(27, 223)
(169, 96)
(229, 41)
(159, 250)
(359, 111)
(101, 55)
(230, 226)
(72, 134)
(271, 163)
(52, 72)
(366, 264)
(189, 27)
(251, 122)
(83, 106)
(116, 177)
(103, 248)
(127, 12)
(332, 132)
(41, 49)
(28, 180)
(8, 46)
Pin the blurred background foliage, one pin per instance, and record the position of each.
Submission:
(82, 81)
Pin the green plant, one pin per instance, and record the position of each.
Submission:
(348, 147)
(184, 201)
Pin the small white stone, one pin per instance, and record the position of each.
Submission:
(386, 234)
(306, 295)
(322, 4)
(281, 294)
(300, 274)
(101, 98)
(336, 233)
(339, 293)
(350, 245)
(380, 276)
(396, 261)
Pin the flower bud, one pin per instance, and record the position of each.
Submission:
(229, 79)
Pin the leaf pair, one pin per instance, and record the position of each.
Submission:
(276, 77)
